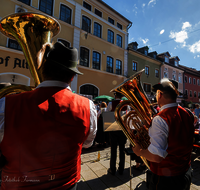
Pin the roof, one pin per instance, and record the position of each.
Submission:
(106, 5)
(164, 53)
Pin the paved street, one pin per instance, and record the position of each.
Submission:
(94, 173)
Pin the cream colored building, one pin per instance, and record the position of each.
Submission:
(98, 32)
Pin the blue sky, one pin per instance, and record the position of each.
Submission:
(164, 25)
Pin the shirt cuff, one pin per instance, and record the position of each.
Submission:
(157, 151)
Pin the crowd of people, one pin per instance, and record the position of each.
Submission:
(43, 131)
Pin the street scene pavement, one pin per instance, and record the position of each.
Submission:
(94, 175)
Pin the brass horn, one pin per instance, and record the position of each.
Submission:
(31, 31)
(135, 123)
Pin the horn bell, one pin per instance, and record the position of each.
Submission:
(31, 31)
(135, 123)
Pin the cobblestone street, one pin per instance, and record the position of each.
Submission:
(94, 173)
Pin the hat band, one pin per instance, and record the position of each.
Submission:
(72, 64)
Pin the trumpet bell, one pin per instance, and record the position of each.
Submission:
(31, 30)
(135, 123)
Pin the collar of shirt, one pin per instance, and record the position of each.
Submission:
(51, 83)
(168, 106)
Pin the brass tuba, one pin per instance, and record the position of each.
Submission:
(135, 123)
(32, 31)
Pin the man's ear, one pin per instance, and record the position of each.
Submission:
(72, 79)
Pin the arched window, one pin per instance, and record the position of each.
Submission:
(46, 6)
(86, 24)
(109, 67)
(88, 89)
(84, 57)
(65, 14)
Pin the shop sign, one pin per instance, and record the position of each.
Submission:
(15, 63)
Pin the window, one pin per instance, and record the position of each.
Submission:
(119, 40)
(190, 80)
(111, 20)
(176, 63)
(65, 14)
(147, 70)
(84, 57)
(194, 81)
(157, 73)
(97, 12)
(195, 94)
(86, 24)
(145, 52)
(118, 67)
(180, 79)
(109, 67)
(97, 29)
(190, 93)
(186, 92)
(165, 74)
(134, 66)
(119, 26)
(198, 82)
(13, 44)
(96, 60)
(87, 6)
(46, 6)
(88, 89)
(147, 87)
(25, 1)
(167, 59)
(174, 77)
(111, 36)
(66, 43)
(185, 79)
(198, 94)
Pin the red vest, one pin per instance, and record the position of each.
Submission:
(180, 141)
(43, 137)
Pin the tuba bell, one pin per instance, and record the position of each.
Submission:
(31, 31)
(135, 123)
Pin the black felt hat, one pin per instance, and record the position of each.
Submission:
(167, 85)
(67, 57)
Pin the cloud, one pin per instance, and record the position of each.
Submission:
(195, 47)
(181, 36)
(186, 25)
(153, 2)
(127, 11)
(162, 31)
(144, 40)
(143, 5)
(135, 9)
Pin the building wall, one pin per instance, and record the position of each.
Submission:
(142, 61)
(192, 87)
(77, 37)
(176, 71)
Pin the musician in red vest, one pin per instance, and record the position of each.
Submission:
(42, 132)
(117, 138)
(171, 137)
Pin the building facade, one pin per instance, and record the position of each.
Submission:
(138, 59)
(170, 69)
(191, 85)
(98, 32)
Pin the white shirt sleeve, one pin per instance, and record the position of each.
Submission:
(109, 107)
(2, 109)
(93, 126)
(158, 133)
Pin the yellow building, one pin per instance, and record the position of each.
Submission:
(98, 32)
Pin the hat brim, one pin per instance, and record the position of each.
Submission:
(160, 87)
(75, 70)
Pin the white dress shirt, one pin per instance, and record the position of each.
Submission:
(48, 83)
(158, 133)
